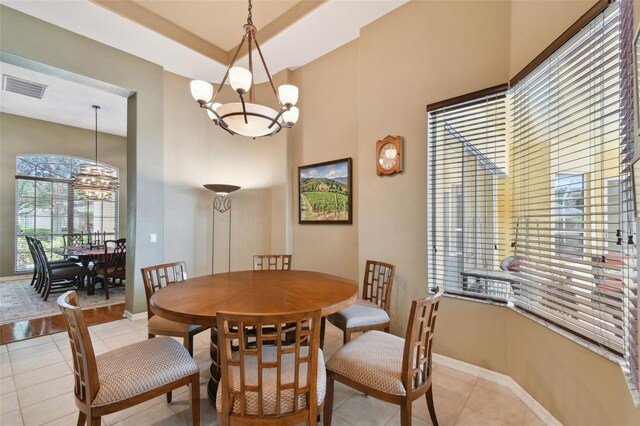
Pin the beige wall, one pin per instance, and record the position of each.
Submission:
(396, 84)
(576, 385)
(21, 135)
(421, 53)
(327, 130)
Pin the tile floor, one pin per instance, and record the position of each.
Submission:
(36, 388)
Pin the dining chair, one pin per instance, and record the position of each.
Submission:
(266, 384)
(112, 266)
(371, 312)
(272, 262)
(126, 376)
(155, 278)
(388, 367)
(37, 280)
(55, 279)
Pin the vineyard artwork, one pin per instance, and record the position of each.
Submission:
(325, 192)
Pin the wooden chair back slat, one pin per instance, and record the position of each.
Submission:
(416, 363)
(232, 336)
(85, 370)
(116, 258)
(159, 276)
(272, 262)
(377, 283)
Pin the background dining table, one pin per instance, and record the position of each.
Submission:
(197, 300)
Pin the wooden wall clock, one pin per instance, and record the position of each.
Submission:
(389, 156)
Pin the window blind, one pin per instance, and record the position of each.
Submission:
(551, 230)
(466, 196)
(571, 214)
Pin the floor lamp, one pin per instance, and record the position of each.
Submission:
(221, 203)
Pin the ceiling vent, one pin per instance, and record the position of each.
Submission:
(23, 87)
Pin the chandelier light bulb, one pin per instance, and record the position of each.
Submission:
(240, 79)
(291, 117)
(288, 94)
(201, 90)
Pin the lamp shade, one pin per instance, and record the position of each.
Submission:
(288, 94)
(240, 79)
(291, 117)
(222, 189)
(201, 90)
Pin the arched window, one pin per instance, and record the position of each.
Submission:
(47, 207)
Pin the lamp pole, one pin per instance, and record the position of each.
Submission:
(221, 203)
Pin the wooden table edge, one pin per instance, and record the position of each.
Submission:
(202, 320)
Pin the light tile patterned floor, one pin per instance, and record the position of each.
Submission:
(36, 388)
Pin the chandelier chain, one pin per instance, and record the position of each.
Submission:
(250, 16)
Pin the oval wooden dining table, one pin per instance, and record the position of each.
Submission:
(197, 300)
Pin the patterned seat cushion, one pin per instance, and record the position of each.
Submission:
(159, 325)
(134, 369)
(269, 378)
(374, 360)
(361, 313)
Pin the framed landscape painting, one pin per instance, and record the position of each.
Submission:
(325, 192)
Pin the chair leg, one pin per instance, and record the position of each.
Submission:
(347, 336)
(82, 418)
(47, 289)
(323, 326)
(188, 343)
(328, 401)
(96, 421)
(405, 413)
(432, 409)
(106, 285)
(194, 397)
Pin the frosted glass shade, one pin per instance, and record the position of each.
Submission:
(259, 118)
(240, 79)
(201, 90)
(291, 117)
(288, 94)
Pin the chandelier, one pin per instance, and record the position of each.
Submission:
(247, 118)
(95, 182)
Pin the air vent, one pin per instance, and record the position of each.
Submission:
(23, 87)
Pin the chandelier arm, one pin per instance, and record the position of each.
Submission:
(244, 109)
(275, 120)
(226, 74)
(264, 64)
(252, 88)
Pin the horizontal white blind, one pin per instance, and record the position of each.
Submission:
(570, 196)
(466, 197)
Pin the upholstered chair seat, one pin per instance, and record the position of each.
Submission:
(269, 354)
(140, 367)
(371, 312)
(362, 313)
(374, 360)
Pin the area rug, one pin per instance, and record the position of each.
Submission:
(19, 301)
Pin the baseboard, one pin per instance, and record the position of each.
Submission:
(135, 317)
(501, 379)
(16, 277)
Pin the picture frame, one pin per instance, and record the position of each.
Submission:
(325, 193)
(635, 183)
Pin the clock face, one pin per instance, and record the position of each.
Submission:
(388, 156)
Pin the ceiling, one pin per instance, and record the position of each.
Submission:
(197, 38)
(65, 102)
